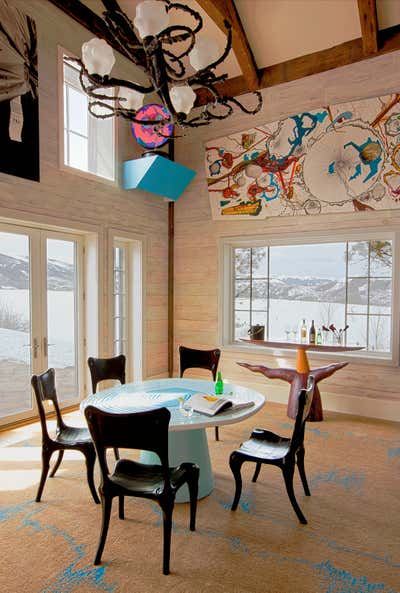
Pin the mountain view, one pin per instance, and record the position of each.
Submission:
(14, 273)
(316, 289)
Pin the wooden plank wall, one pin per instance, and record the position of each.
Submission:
(73, 201)
(366, 387)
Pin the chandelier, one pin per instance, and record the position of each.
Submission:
(163, 53)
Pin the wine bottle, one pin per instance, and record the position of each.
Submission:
(303, 332)
(319, 336)
(311, 335)
(219, 385)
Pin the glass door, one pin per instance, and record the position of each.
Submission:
(60, 339)
(40, 304)
(18, 349)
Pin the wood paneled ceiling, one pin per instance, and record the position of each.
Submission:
(277, 41)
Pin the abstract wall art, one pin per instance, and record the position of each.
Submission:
(340, 158)
(19, 107)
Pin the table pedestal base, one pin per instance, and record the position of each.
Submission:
(187, 445)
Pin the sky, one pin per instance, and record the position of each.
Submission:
(17, 245)
(319, 260)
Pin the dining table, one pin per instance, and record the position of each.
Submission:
(298, 377)
(187, 439)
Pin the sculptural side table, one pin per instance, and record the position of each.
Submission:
(298, 377)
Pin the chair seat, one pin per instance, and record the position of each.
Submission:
(73, 436)
(264, 444)
(146, 480)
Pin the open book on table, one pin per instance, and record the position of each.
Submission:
(213, 404)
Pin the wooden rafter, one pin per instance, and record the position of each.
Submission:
(221, 10)
(369, 26)
(90, 20)
(344, 54)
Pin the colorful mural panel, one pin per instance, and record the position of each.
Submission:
(340, 158)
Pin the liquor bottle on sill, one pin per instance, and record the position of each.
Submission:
(303, 332)
(319, 336)
(219, 385)
(311, 335)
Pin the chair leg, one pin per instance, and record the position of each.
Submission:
(90, 461)
(235, 463)
(256, 472)
(106, 504)
(46, 455)
(217, 433)
(167, 519)
(121, 510)
(302, 471)
(288, 473)
(116, 453)
(58, 462)
(193, 485)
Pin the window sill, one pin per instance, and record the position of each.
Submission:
(88, 175)
(367, 358)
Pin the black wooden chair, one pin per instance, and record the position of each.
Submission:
(67, 437)
(267, 447)
(146, 431)
(106, 369)
(190, 358)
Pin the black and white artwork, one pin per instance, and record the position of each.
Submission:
(19, 107)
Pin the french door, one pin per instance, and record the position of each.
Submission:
(40, 320)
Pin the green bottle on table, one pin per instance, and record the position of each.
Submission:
(219, 385)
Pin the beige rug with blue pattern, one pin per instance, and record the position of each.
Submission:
(350, 545)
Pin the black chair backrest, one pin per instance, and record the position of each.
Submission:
(44, 387)
(200, 359)
(103, 369)
(137, 430)
(305, 401)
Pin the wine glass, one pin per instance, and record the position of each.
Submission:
(288, 331)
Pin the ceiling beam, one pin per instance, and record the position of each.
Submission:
(344, 54)
(369, 26)
(90, 20)
(221, 10)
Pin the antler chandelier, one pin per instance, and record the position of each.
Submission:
(165, 68)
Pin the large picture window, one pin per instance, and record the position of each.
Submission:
(88, 141)
(340, 283)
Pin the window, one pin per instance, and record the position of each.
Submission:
(340, 283)
(89, 142)
(120, 299)
(127, 313)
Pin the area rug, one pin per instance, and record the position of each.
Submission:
(350, 545)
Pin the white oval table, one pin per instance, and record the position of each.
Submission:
(187, 435)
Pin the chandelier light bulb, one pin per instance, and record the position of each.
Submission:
(205, 52)
(182, 98)
(132, 99)
(151, 18)
(98, 57)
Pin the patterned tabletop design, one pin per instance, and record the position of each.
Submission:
(145, 395)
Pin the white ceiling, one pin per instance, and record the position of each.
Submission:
(280, 30)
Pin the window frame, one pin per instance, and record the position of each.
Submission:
(61, 53)
(226, 285)
(136, 249)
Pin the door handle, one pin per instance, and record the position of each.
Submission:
(46, 346)
(34, 347)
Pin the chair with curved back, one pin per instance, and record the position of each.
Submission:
(145, 431)
(269, 448)
(191, 358)
(67, 437)
(105, 369)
